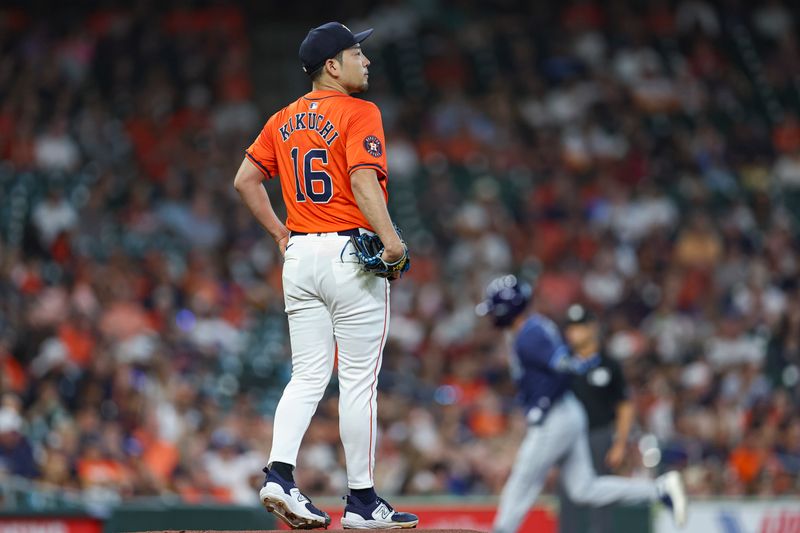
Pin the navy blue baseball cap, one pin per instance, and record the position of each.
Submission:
(506, 298)
(324, 42)
(578, 314)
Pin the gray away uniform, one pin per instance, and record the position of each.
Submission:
(557, 431)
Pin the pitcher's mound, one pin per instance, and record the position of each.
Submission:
(329, 531)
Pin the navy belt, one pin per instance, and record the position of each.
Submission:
(355, 232)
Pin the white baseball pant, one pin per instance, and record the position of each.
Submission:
(333, 308)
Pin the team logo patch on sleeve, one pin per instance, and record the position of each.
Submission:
(373, 146)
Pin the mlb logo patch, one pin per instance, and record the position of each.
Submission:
(314, 105)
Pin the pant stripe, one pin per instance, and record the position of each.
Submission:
(375, 381)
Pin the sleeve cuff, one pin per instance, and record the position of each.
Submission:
(258, 164)
(382, 174)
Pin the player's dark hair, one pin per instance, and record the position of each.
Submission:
(317, 73)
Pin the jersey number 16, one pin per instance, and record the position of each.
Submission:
(310, 176)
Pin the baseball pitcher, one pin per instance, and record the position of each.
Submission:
(557, 429)
(340, 251)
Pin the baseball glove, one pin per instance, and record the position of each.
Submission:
(368, 250)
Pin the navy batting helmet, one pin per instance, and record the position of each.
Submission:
(506, 298)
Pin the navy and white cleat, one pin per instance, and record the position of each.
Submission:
(284, 500)
(673, 494)
(377, 515)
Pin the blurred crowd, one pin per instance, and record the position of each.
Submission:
(642, 160)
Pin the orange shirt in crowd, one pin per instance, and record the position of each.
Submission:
(191, 494)
(786, 136)
(747, 462)
(100, 471)
(12, 374)
(79, 343)
(161, 459)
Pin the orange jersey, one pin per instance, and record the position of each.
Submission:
(313, 145)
